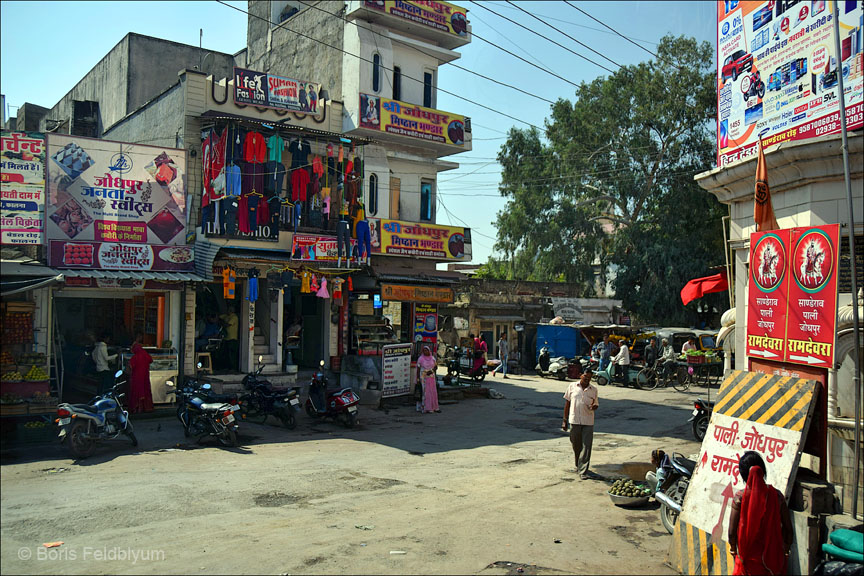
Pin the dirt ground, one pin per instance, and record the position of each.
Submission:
(485, 487)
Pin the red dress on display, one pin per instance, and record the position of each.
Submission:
(140, 394)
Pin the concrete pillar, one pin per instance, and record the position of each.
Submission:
(247, 332)
(188, 331)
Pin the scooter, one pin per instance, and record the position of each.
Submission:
(551, 367)
(609, 374)
(339, 405)
(461, 363)
(262, 400)
(701, 415)
(671, 493)
(103, 418)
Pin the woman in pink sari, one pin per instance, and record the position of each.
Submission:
(426, 365)
(140, 394)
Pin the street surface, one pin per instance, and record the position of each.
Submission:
(485, 487)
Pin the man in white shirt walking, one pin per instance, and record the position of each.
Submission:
(581, 402)
(101, 359)
(503, 354)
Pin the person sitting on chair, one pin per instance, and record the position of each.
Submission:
(211, 329)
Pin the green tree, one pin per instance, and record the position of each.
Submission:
(608, 190)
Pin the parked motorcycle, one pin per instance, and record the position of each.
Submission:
(339, 404)
(202, 418)
(633, 377)
(671, 493)
(103, 418)
(701, 415)
(551, 367)
(458, 362)
(262, 400)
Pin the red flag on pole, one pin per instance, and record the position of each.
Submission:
(763, 212)
(698, 287)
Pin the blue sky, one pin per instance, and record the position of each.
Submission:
(46, 47)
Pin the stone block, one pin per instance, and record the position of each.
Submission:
(812, 495)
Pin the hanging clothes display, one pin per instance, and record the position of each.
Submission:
(234, 143)
(305, 281)
(317, 166)
(233, 180)
(313, 285)
(299, 150)
(229, 279)
(275, 146)
(254, 148)
(337, 288)
(322, 291)
(299, 184)
(275, 177)
(253, 285)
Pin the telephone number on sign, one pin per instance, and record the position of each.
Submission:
(827, 128)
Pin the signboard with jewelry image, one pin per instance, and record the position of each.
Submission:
(103, 192)
(22, 183)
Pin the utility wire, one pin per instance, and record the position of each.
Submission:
(563, 33)
(321, 42)
(458, 67)
(610, 28)
(475, 35)
(511, 42)
(545, 38)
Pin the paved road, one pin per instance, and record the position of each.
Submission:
(485, 487)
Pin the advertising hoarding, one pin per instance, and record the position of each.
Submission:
(278, 92)
(102, 192)
(441, 16)
(22, 186)
(419, 240)
(777, 72)
(314, 248)
(403, 119)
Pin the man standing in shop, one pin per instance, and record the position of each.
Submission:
(232, 345)
(101, 358)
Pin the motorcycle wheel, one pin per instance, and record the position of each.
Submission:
(452, 371)
(130, 434)
(479, 377)
(310, 411)
(348, 419)
(668, 516)
(602, 380)
(228, 438)
(79, 446)
(288, 419)
(700, 426)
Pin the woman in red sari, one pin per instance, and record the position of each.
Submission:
(140, 394)
(760, 530)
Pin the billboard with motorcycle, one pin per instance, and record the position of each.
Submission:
(777, 72)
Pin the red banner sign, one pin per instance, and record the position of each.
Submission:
(766, 310)
(814, 254)
(792, 305)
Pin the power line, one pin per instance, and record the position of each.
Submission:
(610, 28)
(562, 33)
(545, 38)
(511, 42)
(321, 42)
(475, 35)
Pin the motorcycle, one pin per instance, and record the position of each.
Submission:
(458, 362)
(103, 418)
(262, 400)
(608, 374)
(753, 85)
(701, 415)
(671, 493)
(201, 418)
(551, 367)
(336, 404)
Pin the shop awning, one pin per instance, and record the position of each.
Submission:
(502, 318)
(282, 256)
(134, 275)
(206, 252)
(23, 275)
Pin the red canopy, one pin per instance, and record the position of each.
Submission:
(700, 286)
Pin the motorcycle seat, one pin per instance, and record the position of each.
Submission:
(683, 464)
(207, 406)
(85, 408)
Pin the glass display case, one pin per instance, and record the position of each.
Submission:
(164, 367)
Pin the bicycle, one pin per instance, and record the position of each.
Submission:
(651, 377)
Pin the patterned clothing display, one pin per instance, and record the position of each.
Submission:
(229, 279)
(254, 148)
(313, 285)
(336, 283)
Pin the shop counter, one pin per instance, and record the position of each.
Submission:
(164, 367)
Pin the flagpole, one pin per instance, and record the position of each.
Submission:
(856, 378)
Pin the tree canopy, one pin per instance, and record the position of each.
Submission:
(607, 193)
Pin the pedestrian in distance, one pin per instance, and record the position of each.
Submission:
(581, 403)
(503, 355)
(605, 353)
(104, 374)
(140, 393)
(760, 529)
(426, 366)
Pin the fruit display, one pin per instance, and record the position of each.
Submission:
(10, 399)
(36, 374)
(39, 424)
(13, 376)
(17, 327)
(6, 358)
(629, 489)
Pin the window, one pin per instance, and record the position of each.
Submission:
(397, 83)
(376, 72)
(426, 201)
(427, 89)
(373, 194)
